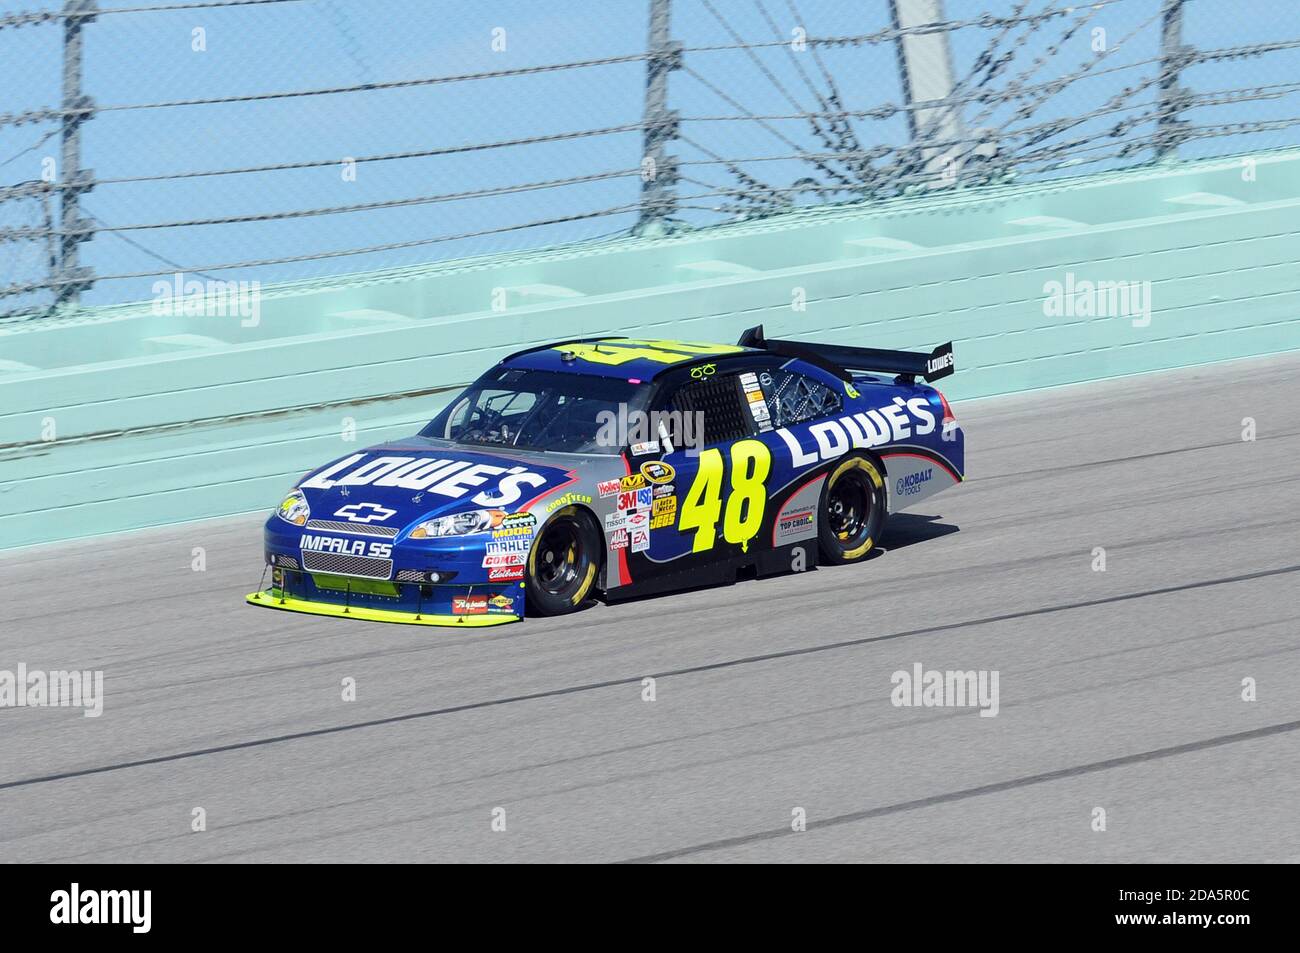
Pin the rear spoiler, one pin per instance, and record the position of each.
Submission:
(840, 359)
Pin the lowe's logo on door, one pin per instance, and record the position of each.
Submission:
(364, 513)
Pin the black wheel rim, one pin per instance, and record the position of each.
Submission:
(560, 558)
(849, 507)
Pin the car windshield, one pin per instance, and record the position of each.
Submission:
(540, 410)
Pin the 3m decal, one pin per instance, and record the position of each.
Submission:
(635, 499)
(751, 461)
(657, 472)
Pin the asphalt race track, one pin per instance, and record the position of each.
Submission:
(1119, 690)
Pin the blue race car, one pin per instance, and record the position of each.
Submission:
(621, 467)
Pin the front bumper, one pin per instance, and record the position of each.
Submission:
(279, 599)
(466, 599)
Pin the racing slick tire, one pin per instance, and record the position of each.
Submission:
(853, 509)
(564, 563)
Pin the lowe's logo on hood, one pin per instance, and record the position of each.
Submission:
(452, 476)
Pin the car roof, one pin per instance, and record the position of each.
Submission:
(639, 359)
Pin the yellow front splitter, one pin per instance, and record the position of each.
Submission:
(274, 599)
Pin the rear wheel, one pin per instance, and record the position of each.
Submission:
(853, 510)
(563, 563)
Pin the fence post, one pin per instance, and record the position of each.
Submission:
(77, 108)
(658, 168)
(1173, 96)
(926, 73)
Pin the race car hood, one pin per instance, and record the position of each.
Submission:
(397, 484)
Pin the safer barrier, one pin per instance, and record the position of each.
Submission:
(125, 418)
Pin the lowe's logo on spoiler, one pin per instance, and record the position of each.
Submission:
(364, 512)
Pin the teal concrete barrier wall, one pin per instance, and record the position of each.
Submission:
(122, 418)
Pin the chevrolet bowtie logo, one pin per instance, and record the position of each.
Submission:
(364, 513)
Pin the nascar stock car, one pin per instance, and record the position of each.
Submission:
(620, 467)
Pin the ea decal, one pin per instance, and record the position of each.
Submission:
(657, 472)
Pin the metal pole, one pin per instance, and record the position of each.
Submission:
(926, 71)
(1173, 57)
(77, 108)
(658, 168)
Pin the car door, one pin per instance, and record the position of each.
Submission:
(707, 477)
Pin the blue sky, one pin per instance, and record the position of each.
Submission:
(134, 58)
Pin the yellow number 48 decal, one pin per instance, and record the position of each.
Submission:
(751, 461)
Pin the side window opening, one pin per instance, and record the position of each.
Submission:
(793, 398)
(720, 402)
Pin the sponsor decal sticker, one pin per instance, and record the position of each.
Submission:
(497, 486)
(615, 521)
(506, 574)
(794, 523)
(469, 605)
(608, 487)
(912, 483)
(664, 512)
(567, 500)
(517, 524)
(619, 540)
(641, 449)
(633, 481)
(502, 560)
(663, 489)
(658, 472)
(500, 603)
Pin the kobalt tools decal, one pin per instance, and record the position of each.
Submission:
(500, 486)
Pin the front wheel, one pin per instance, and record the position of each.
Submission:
(563, 563)
(852, 512)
